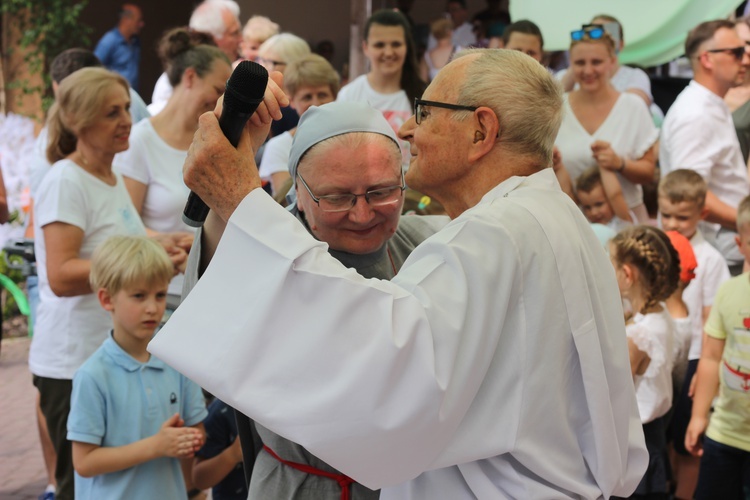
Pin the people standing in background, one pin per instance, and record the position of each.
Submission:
(257, 30)
(738, 98)
(393, 82)
(440, 55)
(152, 166)
(698, 133)
(120, 48)
(604, 127)
(219, 18)
(524, 36)
(463, 31)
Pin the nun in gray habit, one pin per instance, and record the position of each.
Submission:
(276, 467)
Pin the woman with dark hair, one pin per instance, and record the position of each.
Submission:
(393, 81)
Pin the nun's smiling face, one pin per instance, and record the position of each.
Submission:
(344, 169)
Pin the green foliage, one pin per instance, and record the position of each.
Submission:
(49, 27)
(16, 274)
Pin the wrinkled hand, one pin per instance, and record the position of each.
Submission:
(175, 441)
(695, 430)
(219, 173)
(605, 156)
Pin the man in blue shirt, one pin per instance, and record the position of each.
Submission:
(120, 48)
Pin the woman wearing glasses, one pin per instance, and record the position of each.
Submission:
(393, 81)
(605, 128)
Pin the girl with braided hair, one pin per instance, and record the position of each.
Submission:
(648, 270)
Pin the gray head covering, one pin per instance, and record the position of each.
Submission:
(336, 118)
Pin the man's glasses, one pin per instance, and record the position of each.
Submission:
(344, 202)
(588, 32)
(419, 105)
(737, 52)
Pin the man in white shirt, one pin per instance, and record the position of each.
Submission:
(220, 18)
(463, 31)
(494, 365)
(698, 132)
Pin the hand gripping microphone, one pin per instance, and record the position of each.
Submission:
(242, 96)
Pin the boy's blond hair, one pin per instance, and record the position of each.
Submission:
(743, 215)
(125, 261)
(588, 180)
(684, 185)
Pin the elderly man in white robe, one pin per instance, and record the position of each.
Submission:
(494, 365)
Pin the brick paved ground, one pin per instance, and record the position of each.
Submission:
(22, 474)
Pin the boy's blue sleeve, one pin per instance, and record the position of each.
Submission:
(87, 418)
(193, 405)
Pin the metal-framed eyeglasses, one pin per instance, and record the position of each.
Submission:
(345, 201)
(419, 105)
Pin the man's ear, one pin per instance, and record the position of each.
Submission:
(485, 132)
(105, 299)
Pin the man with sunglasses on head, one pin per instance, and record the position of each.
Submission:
(493, 365)
(698, 132)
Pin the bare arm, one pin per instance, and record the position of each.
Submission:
(137, 191)
(563, 177)
(640, 94)
(172, 440)
(68, 273)
(720, 212)
(639, 360)
(207, 473)
(277, 181)
(640, 171)
(706, 386)
(613, 191)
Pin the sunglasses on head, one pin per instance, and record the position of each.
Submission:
(588, 32)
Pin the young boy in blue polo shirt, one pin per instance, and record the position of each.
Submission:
(132, 418)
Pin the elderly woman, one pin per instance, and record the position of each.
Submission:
(345, 162)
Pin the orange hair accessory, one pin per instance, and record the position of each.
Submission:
(687, 256)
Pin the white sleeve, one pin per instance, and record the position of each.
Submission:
(394, 363)
(639, 81)
(162, 91)
(61, 199)
(714, 275)
(275, 157)
(687, 143)
(133, 162)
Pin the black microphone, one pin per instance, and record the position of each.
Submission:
(242, 96)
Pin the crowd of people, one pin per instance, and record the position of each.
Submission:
(487, 280)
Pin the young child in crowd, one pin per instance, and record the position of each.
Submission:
(647, 269)
(679, 310)
(681, 197)
(725, 365)
(600, 197)
(131, 416)
(218, 465)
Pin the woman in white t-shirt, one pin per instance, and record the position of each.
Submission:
(80, 203)
(152, 166)
(393, 81)
(603, 127)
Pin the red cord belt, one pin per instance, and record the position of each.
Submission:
(343, 480)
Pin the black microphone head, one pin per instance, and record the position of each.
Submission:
(246, 87)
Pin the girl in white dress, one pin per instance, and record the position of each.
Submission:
(648, 269)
